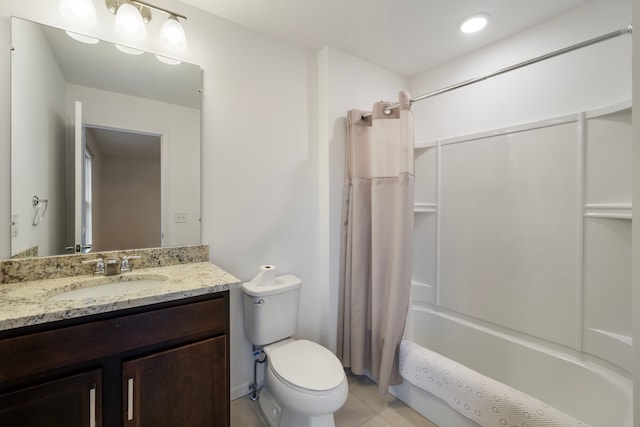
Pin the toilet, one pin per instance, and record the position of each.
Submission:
(304, 382)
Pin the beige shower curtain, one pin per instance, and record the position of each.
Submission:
(377, 240)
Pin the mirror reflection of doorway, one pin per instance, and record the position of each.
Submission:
(122, 196)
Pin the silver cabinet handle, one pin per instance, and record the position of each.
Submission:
(130, 399)
(92, 405)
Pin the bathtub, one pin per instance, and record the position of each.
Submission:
(576, 384)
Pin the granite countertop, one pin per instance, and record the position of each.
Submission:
(30, 303)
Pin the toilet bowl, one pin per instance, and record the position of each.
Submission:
(307, 381)
(304, 382)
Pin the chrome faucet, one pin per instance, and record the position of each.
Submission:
(127, 265)
(99, 262)
(111, 267)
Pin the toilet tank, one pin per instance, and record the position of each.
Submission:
(271, 311)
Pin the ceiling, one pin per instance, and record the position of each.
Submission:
(404, 36)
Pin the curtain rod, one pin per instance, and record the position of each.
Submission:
(613, 34)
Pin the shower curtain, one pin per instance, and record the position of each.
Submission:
(377, 240)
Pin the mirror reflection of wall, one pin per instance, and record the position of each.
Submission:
(50, 72)
(123, 194)
(38, 131)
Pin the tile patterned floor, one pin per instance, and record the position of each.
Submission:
(364, 408)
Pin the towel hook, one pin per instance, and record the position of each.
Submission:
(40, 206)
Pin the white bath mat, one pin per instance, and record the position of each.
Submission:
(488, 402)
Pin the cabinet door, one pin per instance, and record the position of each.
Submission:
(183, 387)
(69, 402)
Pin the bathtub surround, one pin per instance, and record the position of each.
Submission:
(542, 234)
(580, 386)
(533, 353)
(375, 272)
(28, 269)
(485, 281)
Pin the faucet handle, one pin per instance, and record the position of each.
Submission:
(127, 265)
(99, 262)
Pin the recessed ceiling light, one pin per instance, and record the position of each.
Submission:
(474, 23)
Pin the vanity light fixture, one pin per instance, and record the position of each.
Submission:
(132, 15)
(79, 11)
(474, 23)
(172, 34)
(130, 22)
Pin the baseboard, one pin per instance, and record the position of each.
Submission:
(240, 390)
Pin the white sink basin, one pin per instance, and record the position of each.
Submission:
(108, 286)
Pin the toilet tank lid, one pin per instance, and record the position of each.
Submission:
(281, 284)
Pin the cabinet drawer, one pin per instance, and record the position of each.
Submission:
(43, 351)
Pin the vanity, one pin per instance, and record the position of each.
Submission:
(155, 356)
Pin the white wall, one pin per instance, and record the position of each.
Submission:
(259, 169)
(345, 83)
(38, 155)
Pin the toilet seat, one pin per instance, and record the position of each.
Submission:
(307, 367)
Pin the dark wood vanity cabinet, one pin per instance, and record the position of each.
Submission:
(194, 372)
(160, 365)
(73, 401)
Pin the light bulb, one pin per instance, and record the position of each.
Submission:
(129, 22)
(79, 11)
(172, 34)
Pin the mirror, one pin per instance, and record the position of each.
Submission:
(105, 146)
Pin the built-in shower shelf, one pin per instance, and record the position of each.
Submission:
(425, 144)
(425, 208)
(422, 293)
(608, 210)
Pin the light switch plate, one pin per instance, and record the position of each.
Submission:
(182, 217)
